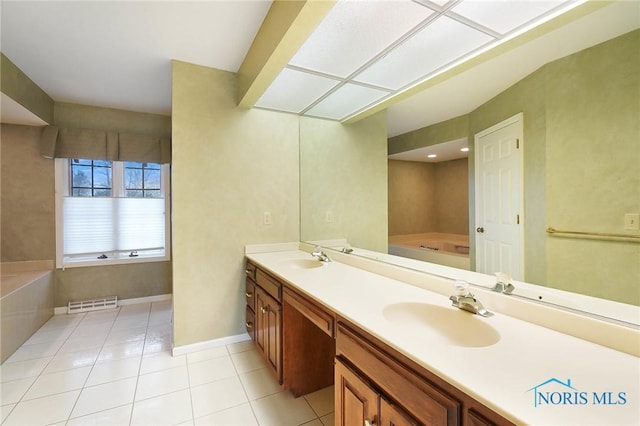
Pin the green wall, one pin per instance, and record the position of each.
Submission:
(229, 166)
(526, 96)
(581, 166)
(455, 128)
(19, 87)
(343, 170)
(593, 167)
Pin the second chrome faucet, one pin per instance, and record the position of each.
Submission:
(463, 299)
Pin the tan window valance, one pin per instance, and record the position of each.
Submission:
(101, 145)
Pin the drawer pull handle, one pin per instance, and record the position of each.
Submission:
(264, 309)
(368, 422)
(249, 324)
(249, 272)
(248, 294)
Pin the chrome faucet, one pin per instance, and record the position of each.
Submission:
(466, 301)
(320, 255)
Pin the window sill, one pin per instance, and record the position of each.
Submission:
(79, 263)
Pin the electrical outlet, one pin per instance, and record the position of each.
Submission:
(266, 218)
(632, 221)
(328, 217)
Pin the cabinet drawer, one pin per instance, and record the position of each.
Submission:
(314, 313)
(421, 399)
(250, 295)
(269, 284)
(250, 270)
(250, 323)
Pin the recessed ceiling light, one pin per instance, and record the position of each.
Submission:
(464, 149)
(431, 156)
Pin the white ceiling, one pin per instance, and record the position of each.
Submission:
(118, 53)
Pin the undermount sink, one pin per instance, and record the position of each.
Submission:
(303, 263)
(443, 325)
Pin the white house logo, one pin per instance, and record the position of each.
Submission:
(557, 392)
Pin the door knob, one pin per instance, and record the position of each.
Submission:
(480, 230)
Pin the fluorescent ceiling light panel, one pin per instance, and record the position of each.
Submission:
(293, 91)
(345, 101)
(355, 31)
(504, 16)
(439, 44)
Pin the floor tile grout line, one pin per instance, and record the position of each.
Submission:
(41, 371)
(244, 389)
(95, 361)
(76, 325)
(193, 413)
(135, 388)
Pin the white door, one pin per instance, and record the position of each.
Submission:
(499, 199)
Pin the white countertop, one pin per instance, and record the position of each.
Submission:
(502, 375)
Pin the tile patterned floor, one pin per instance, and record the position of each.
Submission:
(114, 368)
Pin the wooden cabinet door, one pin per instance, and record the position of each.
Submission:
(392, 415)
(274, 337)
(262, 306)
(356, 403)
(268, 330)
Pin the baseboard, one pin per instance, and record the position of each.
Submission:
(148, 299)
(123, 302)
(208, 344)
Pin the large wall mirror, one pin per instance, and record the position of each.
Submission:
(581, 113)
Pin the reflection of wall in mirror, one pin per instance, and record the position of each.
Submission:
(343, 171)
(582, 165)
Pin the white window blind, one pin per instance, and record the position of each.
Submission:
(116, 229)
(97, 225)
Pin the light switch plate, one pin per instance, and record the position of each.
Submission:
(632, 221)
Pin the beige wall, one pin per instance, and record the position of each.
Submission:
(109, 119)
(452, 197)
(428, 197)
(412, 197)
(229, 166)
(27, 213)
(343, 170)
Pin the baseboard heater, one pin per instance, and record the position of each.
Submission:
(92, 305)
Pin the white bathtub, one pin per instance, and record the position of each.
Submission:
(26, 301)
(435, 247)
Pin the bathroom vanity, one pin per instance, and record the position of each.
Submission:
(401, 355)
(375, 384)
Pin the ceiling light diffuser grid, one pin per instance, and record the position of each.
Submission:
(367, 51)
(437, 45)
(504, 16)
(293, 91)
(345, 100)
(354, 32)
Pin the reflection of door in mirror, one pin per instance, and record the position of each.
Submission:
(499, 199)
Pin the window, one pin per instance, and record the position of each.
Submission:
(90, 178)
(142, 180)
(111, 212)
